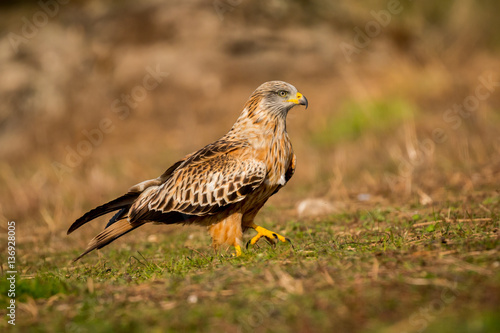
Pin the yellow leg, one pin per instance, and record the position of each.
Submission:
(269, 235)
(237, 248)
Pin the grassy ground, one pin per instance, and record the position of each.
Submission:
(384, 269)
(393, 210)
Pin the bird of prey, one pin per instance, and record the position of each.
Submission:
(221, 186)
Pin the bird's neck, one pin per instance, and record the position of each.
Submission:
(255, 124)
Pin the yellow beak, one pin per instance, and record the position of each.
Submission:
(299, 100)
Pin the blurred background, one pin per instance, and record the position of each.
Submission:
(99, 95)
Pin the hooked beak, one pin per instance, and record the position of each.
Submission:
(299, 100)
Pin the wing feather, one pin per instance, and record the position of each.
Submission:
(202, 185)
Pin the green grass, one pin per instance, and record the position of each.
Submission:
(355, 119)
(375, 270)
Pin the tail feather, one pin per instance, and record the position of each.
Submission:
(119, 203)
(116, 230)
(118, 216)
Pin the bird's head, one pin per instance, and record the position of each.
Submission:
(277, 97)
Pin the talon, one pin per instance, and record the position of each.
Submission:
(289, 241)
(271, 241)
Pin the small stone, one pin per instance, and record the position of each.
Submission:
(364, 197)
(315, 207)
(192, 299)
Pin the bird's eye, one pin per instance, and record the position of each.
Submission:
(282, 93)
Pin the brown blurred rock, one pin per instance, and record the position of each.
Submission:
(315, 207)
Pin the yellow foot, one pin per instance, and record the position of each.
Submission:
(237, 248)
(270, 236)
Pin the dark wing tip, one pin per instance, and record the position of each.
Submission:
(77, 224)
(119, 203)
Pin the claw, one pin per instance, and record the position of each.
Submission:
(289, 241)
(271, 241)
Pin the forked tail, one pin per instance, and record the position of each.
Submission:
(125, 201)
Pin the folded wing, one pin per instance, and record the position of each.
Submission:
(202, 186)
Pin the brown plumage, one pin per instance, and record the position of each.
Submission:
(221, 186)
